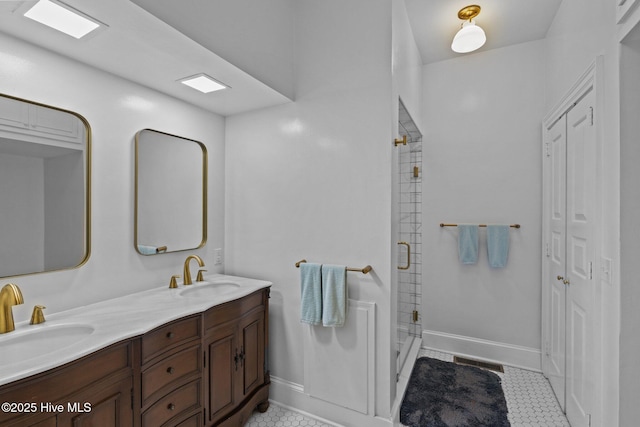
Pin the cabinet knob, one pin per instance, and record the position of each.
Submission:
(170, 370)
(171, 406)
(169, 335)
(560, 278)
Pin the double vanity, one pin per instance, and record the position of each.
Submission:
(187, 356)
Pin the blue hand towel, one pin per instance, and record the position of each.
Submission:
(334, 295)
(147, 250)
(311, 293)
(498, 245)
(468, 243)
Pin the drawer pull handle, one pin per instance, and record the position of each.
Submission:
(171, 406)
(169, 335)
(170, 370)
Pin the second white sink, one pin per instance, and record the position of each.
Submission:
(209, 289)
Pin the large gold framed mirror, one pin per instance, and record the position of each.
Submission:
(45, 188)
(170, 193)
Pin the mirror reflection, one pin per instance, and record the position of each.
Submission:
(171, 193)
(44, 188)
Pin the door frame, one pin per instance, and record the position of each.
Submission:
(590, 80)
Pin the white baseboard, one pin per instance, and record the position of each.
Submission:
(492, 351)
(290, 395)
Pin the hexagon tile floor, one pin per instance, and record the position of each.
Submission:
(280, 417)
(530, 401)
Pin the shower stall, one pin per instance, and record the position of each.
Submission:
(409, 217)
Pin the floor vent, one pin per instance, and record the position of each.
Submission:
(480, 364)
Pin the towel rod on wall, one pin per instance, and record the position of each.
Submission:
(364, 270)
(479, 225)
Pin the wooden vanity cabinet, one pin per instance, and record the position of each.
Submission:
(235, 339)
(171, 373)
(95, 390)
(206, 369)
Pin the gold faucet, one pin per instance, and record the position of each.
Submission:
(186, 274)
(10, 295)
(37, 316)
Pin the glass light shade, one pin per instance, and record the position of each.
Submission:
(469, 38)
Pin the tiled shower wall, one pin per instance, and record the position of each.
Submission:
(410, 281)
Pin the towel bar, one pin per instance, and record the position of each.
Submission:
(364, 270)
(479, 225)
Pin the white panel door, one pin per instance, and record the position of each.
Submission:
(556, 211)
(581, 196)
(570, 200)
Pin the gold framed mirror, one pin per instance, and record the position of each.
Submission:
(170, 193)
(45, 188)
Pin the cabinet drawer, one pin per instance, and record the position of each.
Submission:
(171, 369)
(193, 421)
(183, 399)
(53, 385)
(169, 336)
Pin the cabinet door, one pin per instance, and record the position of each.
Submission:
(223, 362)
(13, 114)
(100, 406)
(251, 341)
(33, 421)
(55, 123)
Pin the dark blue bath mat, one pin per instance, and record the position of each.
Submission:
(443, 394)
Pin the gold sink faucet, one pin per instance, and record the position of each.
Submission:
(186, 274)
(10, 295)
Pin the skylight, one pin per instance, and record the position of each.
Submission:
(62, 18)
(203, 83)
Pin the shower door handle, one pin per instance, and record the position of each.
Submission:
(406, 267)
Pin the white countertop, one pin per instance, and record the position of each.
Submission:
(115, 320)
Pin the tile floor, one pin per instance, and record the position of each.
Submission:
(280, 417)
(530, 401)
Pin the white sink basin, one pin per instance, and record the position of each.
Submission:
(208, 290)
(33, 343)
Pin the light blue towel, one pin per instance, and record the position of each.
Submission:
(468, 243)
(498, 245)
(334, 295)
(147, 250)
(311, 293)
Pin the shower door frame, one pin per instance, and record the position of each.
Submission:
(409, 209)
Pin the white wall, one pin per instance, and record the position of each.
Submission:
(312, 179)
(255, 36)
(630, 243)
(581, 31)
(482, 164)
(116, 110)
(64, 210)
(22, 180)
(406, 63)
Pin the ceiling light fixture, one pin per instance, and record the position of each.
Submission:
(62, 17)
(203, 83)
(470, 37)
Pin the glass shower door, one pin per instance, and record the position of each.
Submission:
(409, 235)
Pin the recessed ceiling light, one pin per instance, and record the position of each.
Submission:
(203, 83)
(62, 18)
